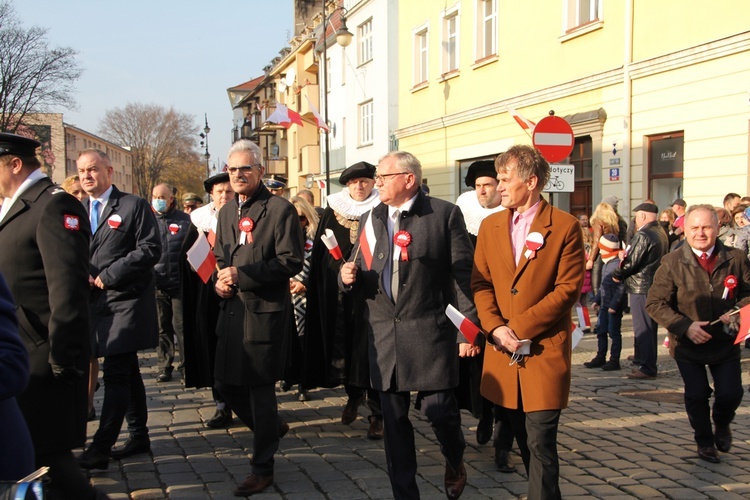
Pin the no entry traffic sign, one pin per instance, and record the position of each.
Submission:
(553, 137)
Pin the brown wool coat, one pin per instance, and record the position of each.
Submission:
(534, 300)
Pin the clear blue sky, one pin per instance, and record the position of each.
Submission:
(180, 53)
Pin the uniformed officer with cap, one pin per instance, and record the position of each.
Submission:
(276, 183)
(190, 202)
(45, 257)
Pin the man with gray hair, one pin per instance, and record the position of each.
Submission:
(259, 247)
(414, 259)
(696, 285)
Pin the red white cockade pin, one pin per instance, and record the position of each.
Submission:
(534, 241)
(115, 221)
(173, 228)
(730, 283)
(402, 239)
(246, 226)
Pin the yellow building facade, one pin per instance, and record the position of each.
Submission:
(657, 93)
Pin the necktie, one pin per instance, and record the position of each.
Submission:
(94, 216)
(394, 262)
(703, 261)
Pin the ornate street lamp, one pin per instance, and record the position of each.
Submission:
(204, 137)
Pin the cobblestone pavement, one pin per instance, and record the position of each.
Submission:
(619, 438)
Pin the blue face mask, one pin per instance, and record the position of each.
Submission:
(159, 205)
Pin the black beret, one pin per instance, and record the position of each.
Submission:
(275, 181)
(219, 178)
(12, 144)
(647, 207)
(481, 168)
(359, 170)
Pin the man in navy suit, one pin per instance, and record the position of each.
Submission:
(125, 246)
(414, 259)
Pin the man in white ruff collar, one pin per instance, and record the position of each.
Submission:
(334, 351)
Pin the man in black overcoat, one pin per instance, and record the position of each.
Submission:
(259, 247)
(44, 257)
(125, 247)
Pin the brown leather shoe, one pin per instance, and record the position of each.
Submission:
(503, 461)
(349, 414)
(639, 375)
(723, 438)
(253, 484)
(709, 454)
(376, 428)
(455, 480)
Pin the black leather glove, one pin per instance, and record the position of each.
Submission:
(66, 372)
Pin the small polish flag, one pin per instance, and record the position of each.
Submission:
(467, 328)
(577, 335)
(584, 320)
(319, 121)
(744, 331)
(524, 122)
(211, 237)
(329, 239)
(321, 184)
(367, 242)
(201, 258)
(285, 116)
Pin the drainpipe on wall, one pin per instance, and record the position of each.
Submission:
(627, 96)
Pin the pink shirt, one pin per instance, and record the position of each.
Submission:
(520, 223)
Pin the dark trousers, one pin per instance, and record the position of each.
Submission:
(66, 478)
(441, 409)
(169, 308)
(124, 399)
(609, 324)
(257, 408)
(536, 435)
(373, 399)
(644, 330)
(728, 396)
(502, 434)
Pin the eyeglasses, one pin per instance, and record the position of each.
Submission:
(384, 177)
(245, 169)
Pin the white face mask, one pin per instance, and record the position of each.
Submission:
(159, 205)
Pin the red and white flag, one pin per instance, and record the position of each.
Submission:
(367, 242)
(744, 331)
(329, 239)
(524, 122)
(211, 237)
(285, 116)
(319, 121)
(584, 320)
(466, 327)
(201, 258)
(576, 335)
(321, 184)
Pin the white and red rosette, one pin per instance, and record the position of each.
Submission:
(246, 226)
(730, 283)
(534, 241)
(402, 239)
(114, 221)
(173, 228)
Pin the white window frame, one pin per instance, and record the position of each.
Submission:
(486, 36)
(366, 123)
(364, 35)
(580, 13)
(451, 39)
(421, 48)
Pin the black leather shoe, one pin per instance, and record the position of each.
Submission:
(252, 485)
(611, 365)
(92, 458)
(222, 418)
(597, 362)
(484, 429)
(349, 414)
(504, 461)
(709, 454)
(164, 376)
(133, 446)
(92, 415)
(455, 481)
(723, 438)
(283, 429)
(376, 428)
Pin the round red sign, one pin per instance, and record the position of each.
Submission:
(554, 138)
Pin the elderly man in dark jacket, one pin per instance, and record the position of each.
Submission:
(648, 246)
(259, 247)
(124, 248)
(701, 282)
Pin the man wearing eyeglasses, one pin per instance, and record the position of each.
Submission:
(414, 259)
(259, 247)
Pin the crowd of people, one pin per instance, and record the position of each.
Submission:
(353, 295)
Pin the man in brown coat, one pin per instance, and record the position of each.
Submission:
(524, 288)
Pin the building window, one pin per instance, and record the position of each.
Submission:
(665, 164)
(450, 42)
(581, 12)
(365, 41)
(421, 55)
(582, 159)
(366, 124)
(486, 28)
